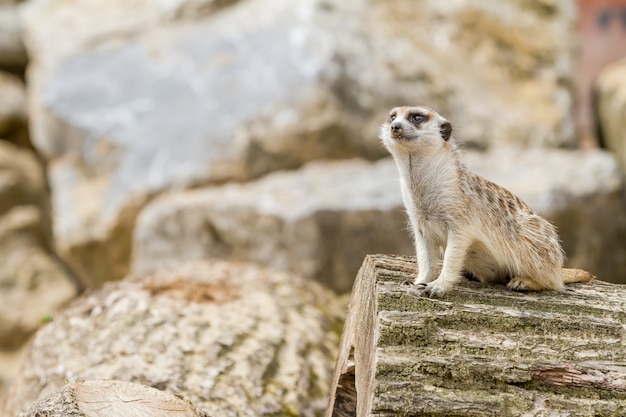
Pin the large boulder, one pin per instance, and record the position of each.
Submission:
(321, 220)
(171, 108)
(234, 339)
(611, 109)
(125, 113)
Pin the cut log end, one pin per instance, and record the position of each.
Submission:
(111, 399)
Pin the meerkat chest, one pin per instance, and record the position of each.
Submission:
(426, 210)
(429, 196)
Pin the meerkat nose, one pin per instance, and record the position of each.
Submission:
(396, 127)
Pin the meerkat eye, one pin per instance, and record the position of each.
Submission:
(392, 117)
(417, 118)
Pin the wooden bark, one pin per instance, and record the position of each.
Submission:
(480, 350)
(111, 399)
(235, 339)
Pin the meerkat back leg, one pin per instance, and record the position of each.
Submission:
(566, 275)
(523, 284)
(546, 279)
(483, 266)
(453, 259)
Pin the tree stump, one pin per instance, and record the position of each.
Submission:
(480, 350)
(111, 399)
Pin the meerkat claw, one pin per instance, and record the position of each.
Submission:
(520, 284)
(433, 291)
(516, 287)
(407, 282)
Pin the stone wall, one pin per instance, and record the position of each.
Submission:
(149, 133)
(129, 102)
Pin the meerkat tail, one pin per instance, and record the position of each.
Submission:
(571, 276)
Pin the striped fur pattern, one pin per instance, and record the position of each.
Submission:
(460, 221)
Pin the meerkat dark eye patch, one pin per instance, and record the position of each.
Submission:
(417, 118)
(445, 130)
(392, 116)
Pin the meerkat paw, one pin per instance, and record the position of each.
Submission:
(522, 284)
(415, 282)
(436, 289)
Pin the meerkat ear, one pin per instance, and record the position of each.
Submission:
(446, 130)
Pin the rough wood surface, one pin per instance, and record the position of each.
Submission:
(480, 350)
(111, 399)
(235, 339)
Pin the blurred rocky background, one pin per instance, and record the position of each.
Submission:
(149, 147)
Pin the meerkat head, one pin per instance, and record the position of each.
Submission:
(411, 127)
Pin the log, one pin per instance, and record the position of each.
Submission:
(480, 350)
(111, 399)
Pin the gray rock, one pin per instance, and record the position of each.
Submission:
(611, 109)
(234, 339)
(217, 105)
(320, 221)
(126, 113)
(35, 284)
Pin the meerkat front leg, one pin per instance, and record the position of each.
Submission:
(426, 252)
(453, 259)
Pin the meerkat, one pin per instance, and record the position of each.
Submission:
(463, 223)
